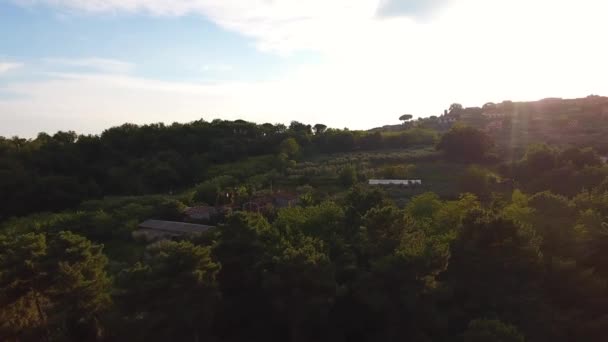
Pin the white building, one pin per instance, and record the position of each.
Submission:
(406, 182)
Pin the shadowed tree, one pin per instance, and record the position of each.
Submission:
(406, 117)
(173, 295)
(319, 128)
(57, 287)
(464, 143)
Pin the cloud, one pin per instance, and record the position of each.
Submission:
(8, 66)
(94, 64)
(408, 8)
(281, 26)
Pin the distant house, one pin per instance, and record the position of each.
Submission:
(154, 230)
(406, 182)
(203, 212)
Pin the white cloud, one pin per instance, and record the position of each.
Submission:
(94, 63)
(8, 66)
(277, 25)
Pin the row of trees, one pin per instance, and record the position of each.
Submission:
(59, 171)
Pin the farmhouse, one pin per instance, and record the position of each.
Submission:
(153, 230)
(406, 182)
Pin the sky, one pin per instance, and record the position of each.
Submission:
(87, 65)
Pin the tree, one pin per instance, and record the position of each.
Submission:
(23, 285)
(456, 109)
(242, 251)
(57, 284)
(348, 176)
(80, 287)
(478, 181)
(406, 117)
(393, 287)
(580, 157)
(300, 128)
(539, 158)
(319, 128)
(290, 147)
(423, 206)
(301, 279)
(464, 143)
(173, 295)
(495, 267)
(210, 191)
(489, 106)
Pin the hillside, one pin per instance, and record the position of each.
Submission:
(553, 121)
(233, 231)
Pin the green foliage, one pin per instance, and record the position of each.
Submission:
(348, 176)
(544, 168)
(464, 143)
(214, 190)
(423, 206)
(540, 158)
(478, 181)
(495, 267)
(290, 147)
(158, 295)
(518, 210)
(52, 287)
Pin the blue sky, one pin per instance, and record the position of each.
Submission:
(188, 47)
(86, 65)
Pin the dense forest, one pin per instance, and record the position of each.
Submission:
(505, 239)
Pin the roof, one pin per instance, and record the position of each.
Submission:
(174, 227)
(394, 181)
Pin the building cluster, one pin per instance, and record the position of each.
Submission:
(155, 230)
